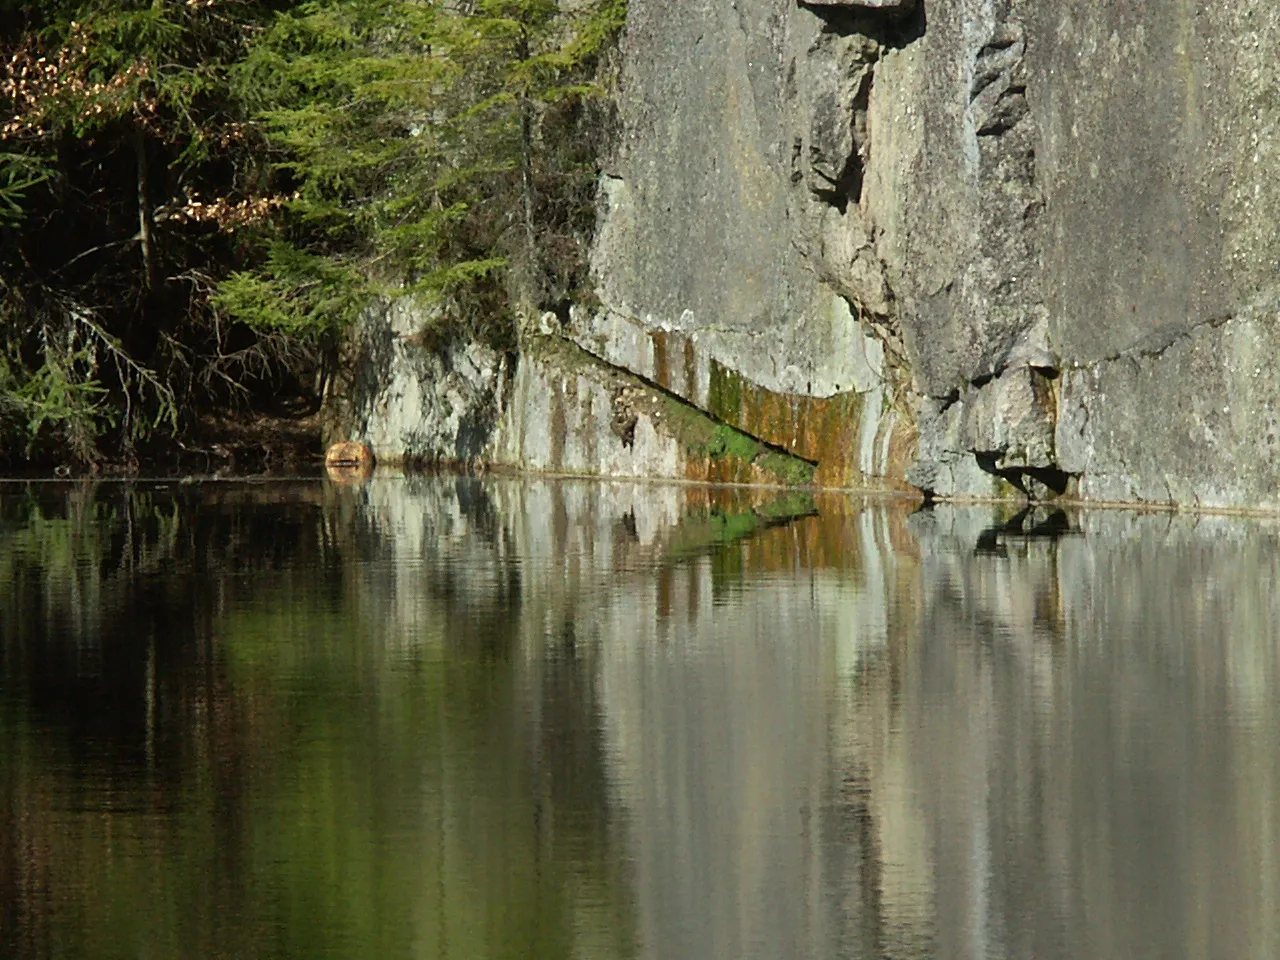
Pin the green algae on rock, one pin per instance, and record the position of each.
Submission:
(570, 412)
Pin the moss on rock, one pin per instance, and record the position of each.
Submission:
(713, 450)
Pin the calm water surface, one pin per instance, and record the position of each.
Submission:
(453, 718)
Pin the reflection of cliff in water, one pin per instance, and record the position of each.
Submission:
(728, 642)
(449, 717)
(1094, 735)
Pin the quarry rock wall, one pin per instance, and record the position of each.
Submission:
(975, 248)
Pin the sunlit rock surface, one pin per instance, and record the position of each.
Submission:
(985, 248)
(411, 398)
(998, 191)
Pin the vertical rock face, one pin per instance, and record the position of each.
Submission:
(1054, 222)
(410, 399)
(881, 160)
(1103, 183)
(975, 246)
(733, 247)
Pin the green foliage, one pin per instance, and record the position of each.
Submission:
(296, 291)
(197, 196)
(126, 165)
(91, 64)
(62, 390)
(57, 393)
(18, 174)
(419, 140)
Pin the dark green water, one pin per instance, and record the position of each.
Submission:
(453, 718)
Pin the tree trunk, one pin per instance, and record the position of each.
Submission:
(526, 186)
(526, 176)
(146, 221)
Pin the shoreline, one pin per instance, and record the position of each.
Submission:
(880, 497)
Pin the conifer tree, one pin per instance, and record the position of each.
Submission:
(437, 150)
(196, 196)
(122, 156)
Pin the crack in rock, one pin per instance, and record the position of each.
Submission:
(1159, 350)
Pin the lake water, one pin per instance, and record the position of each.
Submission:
(462, 718)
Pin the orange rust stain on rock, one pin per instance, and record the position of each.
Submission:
(726, 470)
(690, 367)
(825, 430)
(559, 424)
(661, 362)
(903, 445)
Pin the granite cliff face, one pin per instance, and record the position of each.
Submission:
(972, 247)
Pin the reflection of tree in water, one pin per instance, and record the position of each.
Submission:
(109, 595)
(109, 672)
(213, 746)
